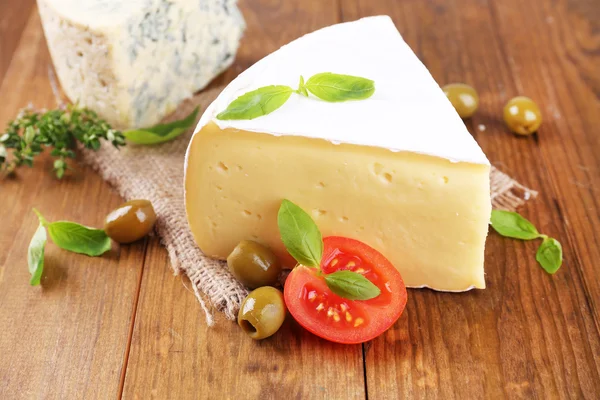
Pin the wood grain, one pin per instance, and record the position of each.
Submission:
(13, 17)
(529, 334)
(222, 363)
(175, 355)
(122, 325)
(274, 23)
(67, 338)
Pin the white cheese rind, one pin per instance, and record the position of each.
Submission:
(408, 112)
(135, 61)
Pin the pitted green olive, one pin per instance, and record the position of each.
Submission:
(262, 313)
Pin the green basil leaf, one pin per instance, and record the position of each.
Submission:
(257, 103)
(549, 255)
(300, 234)
(351, 285)
(512, 225)
(336, 87)
(78, 238)
(162, 132)
(35, 255)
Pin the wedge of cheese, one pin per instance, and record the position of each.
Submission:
(398, 171)
(134, 61)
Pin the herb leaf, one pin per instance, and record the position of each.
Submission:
(336, 87)
(549, 255)
(162, 132)
(302, 88)
(78, 238)
(351, 285)
(32, 131)
(35, 255)
(257, 103)
(300, 234)
(512, 225)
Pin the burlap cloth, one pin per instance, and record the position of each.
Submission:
(156, 173)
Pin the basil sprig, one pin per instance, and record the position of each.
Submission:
(75, 237)
(66, 235)
(326, 86)
(512, 225)
(162, 132)
(304, 242)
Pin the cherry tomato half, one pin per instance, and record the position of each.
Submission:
(340, 320)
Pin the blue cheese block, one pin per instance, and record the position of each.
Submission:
(135, 61)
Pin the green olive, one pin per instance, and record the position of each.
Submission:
(463, 97)
(262, 312)
(522, 115)
(253, 264)
(131, 221)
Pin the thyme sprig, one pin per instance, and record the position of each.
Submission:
(33, 130)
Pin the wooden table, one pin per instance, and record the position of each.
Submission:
(124, 326)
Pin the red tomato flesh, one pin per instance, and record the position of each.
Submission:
(340, 320)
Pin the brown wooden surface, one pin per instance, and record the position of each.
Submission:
(123, 325)
(13, 17)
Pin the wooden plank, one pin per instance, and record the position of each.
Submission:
(528, 334)
(562, 71)
(67, 338)
(13, 17)
(175, 355)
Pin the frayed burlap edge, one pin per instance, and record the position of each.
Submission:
(506, 193)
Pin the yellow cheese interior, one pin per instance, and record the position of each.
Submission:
(427, 215)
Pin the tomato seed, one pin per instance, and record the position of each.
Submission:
(358, 322)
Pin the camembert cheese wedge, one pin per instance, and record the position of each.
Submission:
(398, 171)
